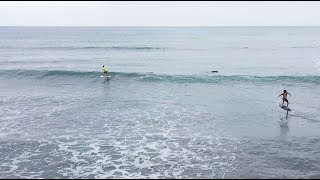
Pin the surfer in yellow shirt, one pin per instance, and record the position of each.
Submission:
(105, 70)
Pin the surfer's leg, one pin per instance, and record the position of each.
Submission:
(287, 102)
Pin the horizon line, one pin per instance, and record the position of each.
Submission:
(159, 26)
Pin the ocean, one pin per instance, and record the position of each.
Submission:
(163, 113)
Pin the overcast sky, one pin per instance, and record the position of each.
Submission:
(157, 13)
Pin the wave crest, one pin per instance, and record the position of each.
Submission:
(152, 77)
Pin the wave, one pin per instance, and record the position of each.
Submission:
(89, 47)
(304, 47)
(153, 77)
(105, 47)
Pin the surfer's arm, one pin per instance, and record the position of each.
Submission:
(289, 94)
(280, 95)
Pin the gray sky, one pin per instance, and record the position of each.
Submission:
(157, 13)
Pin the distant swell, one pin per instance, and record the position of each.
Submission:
(89, 47)
(151, 77)
(304, 47)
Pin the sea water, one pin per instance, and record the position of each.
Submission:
(163, 113)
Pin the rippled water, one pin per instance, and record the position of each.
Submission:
(163, 114)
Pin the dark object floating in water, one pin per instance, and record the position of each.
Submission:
(214, 71)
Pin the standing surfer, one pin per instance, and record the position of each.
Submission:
(284, 98)
(105, 70)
